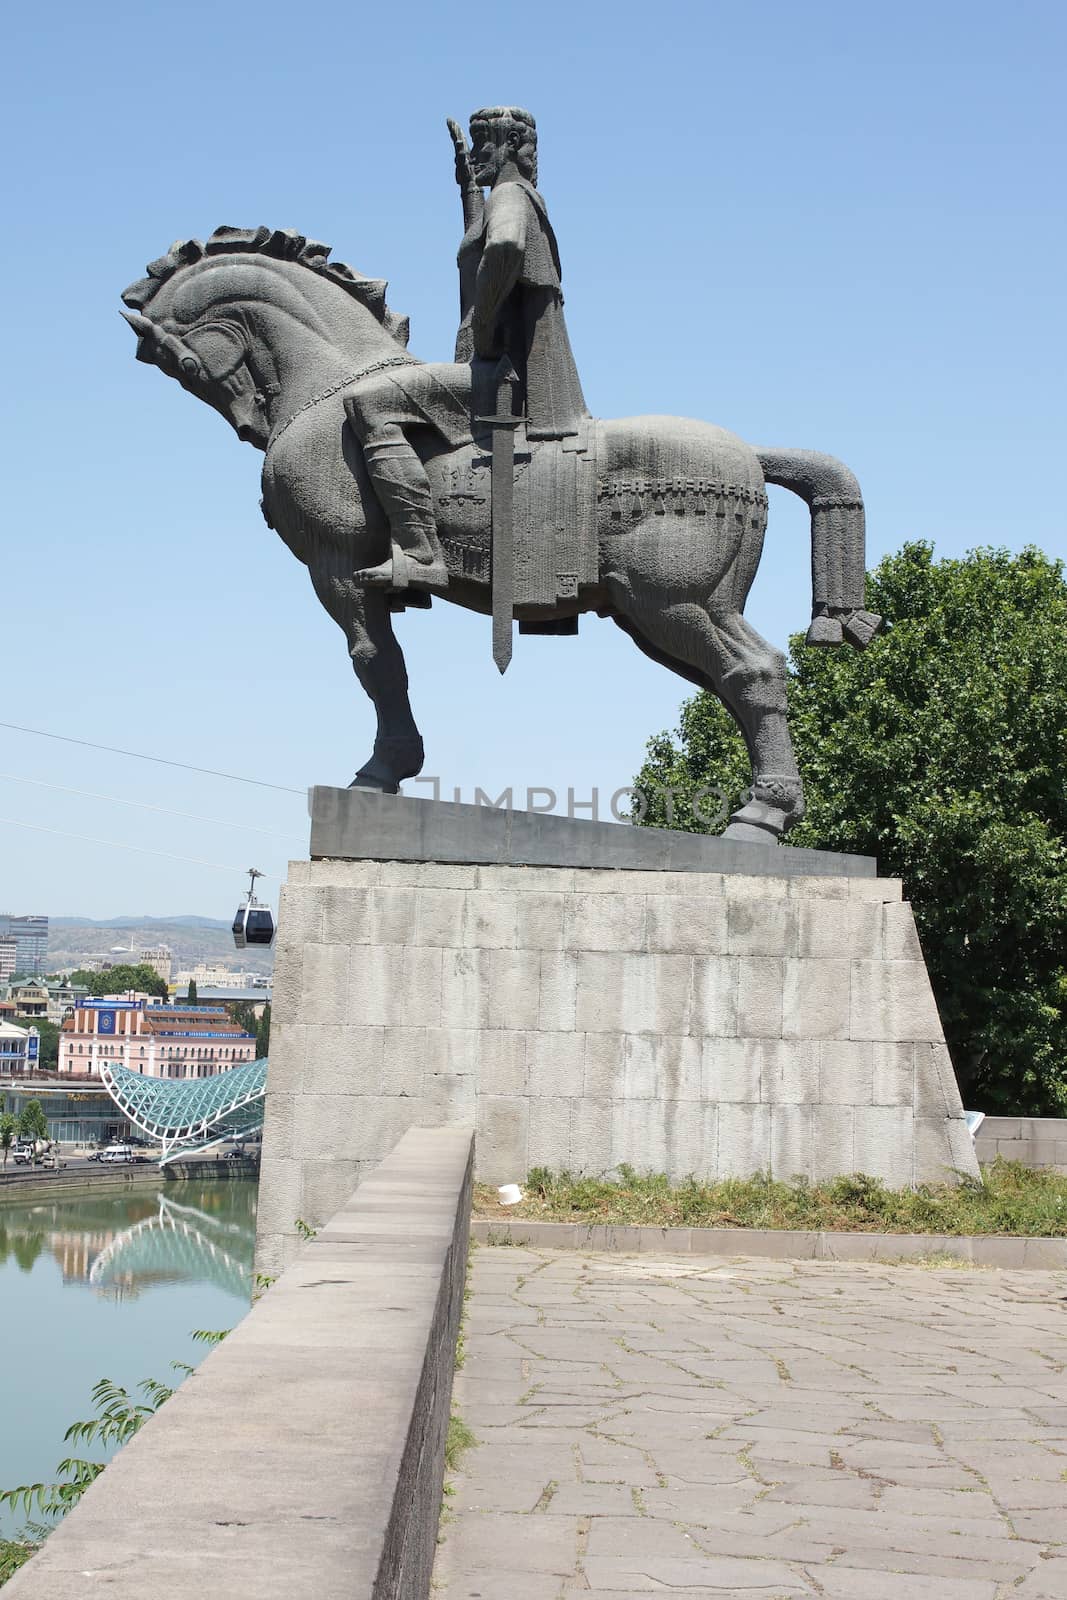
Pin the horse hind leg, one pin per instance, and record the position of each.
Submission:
(725, 654)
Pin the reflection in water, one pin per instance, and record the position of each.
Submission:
(121, 1248)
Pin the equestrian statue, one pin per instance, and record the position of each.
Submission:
(484, 480)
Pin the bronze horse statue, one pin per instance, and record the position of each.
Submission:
(664, 516)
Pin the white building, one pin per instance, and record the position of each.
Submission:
(157, 1040)
(18, 1049)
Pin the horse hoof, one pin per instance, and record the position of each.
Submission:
(370, 780)
(751, 833)
(824, 632)
(861, 627)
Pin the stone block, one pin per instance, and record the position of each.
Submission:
(731, 1071)
(591, 1134)
(814, 888)
(344, 874)
(439, 918)
(490, 919)
(880, 889)
(331, 1127)
(343, 1060)
(892, 1000)
(324, 992)
(555, 1064)
(940, 1151)
(892, 1074)
(549, 1140)
(638, 1135)
(840, 929)
(900, 938)
(539, 920)
(465, 988)
(454, 1052)
(514, 989)
(791, 1141)
(288, 982)
(602, 1064)
(448, 1099)
(713, 1010)
(690, 1137)
(761, 927)
(502, 1134)
(288, 1047)
(816, 999)
(528, 880)
(634, 993)
(557, 1001)
(503, 1068)
(419, 1002)
(760, 984)
(744, 1145)
(846, 1074)
(604, 922)
(789, 1071)
(429, 874)
(686, 924)
(833, 1152)
(739, 886)
(403, 1061)
(300, 914)
(679, 1067)
(936, 1091)
(884, 1143)
(326, 1187)
(354, 916)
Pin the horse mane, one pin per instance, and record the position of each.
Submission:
(282, 244)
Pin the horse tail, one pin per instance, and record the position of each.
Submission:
(838, 543)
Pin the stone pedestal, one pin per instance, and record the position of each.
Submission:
(753, 1009)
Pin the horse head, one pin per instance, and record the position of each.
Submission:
(238, 327)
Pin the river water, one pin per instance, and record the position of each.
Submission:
(108, 1286)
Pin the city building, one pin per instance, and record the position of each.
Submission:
(31, 998)
(218, 977)
(159, 957)
(257, 999)
(156, 1040)
(8, 959)
(18, 1049)
(31, 939)
(76, 1116)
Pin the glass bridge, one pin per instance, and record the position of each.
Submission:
(190, 1114)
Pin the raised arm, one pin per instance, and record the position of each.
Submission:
(501, 263)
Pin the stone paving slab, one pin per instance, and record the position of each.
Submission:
(651, 1425)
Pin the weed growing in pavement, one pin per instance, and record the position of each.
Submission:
(1013, 1199)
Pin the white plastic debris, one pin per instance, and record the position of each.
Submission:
(510, 1194)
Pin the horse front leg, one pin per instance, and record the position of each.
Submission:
(378, 662)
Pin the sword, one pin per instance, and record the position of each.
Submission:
(503, 423)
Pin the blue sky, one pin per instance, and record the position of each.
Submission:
(825, 224)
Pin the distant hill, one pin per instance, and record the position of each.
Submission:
(72, 940)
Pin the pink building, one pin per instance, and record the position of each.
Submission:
(159, 1041)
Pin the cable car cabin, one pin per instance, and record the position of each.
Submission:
(253, 924)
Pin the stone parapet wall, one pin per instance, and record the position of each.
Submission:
(1035, 1141)
(582, 1018)
(304, 1457)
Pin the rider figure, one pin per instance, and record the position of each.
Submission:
(510, 304)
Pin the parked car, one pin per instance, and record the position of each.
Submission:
(117, 1155)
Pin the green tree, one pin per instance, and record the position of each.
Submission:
(263, 1033)
(940, 750)
(32, 1122)
(116, 980)
(48, 1050)
(8, 1130)
(192, 992)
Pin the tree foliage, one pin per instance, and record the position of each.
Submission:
(941, 751)
(116, 980)
(32, 1122)
(8, 1130)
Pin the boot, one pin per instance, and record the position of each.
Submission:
(403, 490)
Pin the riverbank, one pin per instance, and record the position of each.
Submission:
(36, 1183)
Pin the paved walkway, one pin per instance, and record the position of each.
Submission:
(652, 1426)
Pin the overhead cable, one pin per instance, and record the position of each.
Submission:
(115, 844)
(137, 755)
(144, 805)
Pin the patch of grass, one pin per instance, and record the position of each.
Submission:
(1013, 1200)
(14, 1553)
(458, 1439)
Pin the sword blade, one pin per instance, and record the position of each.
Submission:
(503, 545)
